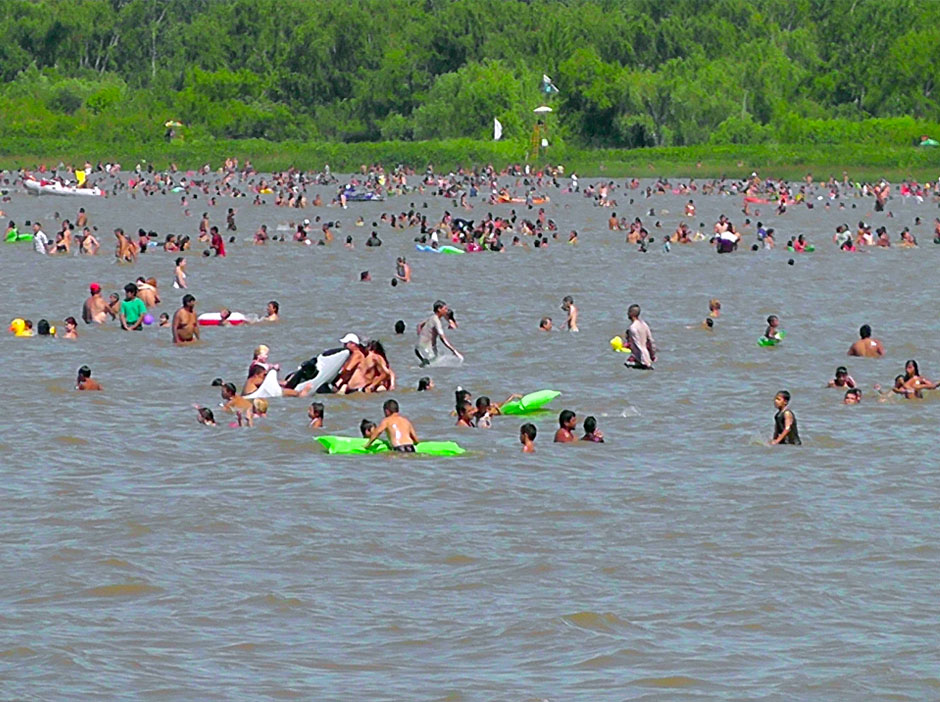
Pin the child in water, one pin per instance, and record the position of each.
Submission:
(773, 329)
(527, 434)
(315, 412)
(591, 432)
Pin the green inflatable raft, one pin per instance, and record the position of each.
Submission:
(13, 236)
(529, 403)
(356, 445)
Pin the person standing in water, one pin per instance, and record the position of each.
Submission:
(185, 324)
(785, 430)
(866, 346)
(640, 340)
(429, 331)
(567, 304)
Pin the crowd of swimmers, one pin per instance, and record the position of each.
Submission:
(367, 368)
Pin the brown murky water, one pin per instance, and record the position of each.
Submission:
(147, 557)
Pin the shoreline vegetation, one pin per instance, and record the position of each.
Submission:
(863, 162)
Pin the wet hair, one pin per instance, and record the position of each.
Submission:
(913, 363)
(864, 331)
(255, 369)
(544, 321)
(483, 403)
(205, 414)
(42, 327)
(179, 260)
(187, 299)
(424, 383)
(461, 395)
(366, 426)
(564, 417)
(842, 370)
(633, 311)
(854, 391)
(590, 425)
(463, 408)
(130, 288)
(394, 282)
(390, 406)
(71, 320)
(216, 382)
(275, 305)
(785, 395)
(529, 431)
(230, 387)
(84, 372)
(317, 408)
(772, 318)
(399, 327)
(364, 275)
(438, 306)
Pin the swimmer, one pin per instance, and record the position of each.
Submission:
(84, 380)
(260, 407)
(400, 431)
(132, 309)
(785, 430)
(567, 423)
(714, 308)
(242, 408)
(71, 328)
(591, 432)
(866, 346)
(430, 331)
(545, 324)
(914, 381)
(256, 375)
(179, 273)
(164, 319)
(272, 311)
(567, 304)
(95, 309)
(852, 396)
(527, 434)
(465, 414)
(185, 324)
(365, 428)
(425, 384)
(842, 379)
(640, 340)
(315, 413)
(772, 331)
(402, 270)
(204, 416)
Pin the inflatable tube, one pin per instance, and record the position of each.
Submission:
(529, 403)
(757, 200)
(318, 372)
(214, 319)
(355, 445)
(617, 345)
(51, 187)
(764, 341)
(268, 388)
(442, 249)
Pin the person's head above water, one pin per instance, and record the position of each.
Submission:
(565, 419)
(633, 311)
(400, 327)
(864, 331)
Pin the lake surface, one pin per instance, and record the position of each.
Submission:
(148, 557)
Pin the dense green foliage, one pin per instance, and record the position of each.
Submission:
(630, 73)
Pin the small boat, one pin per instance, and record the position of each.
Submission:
(52, 187)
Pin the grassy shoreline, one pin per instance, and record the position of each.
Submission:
(793, 161)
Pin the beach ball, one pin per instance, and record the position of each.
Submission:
(148, 319)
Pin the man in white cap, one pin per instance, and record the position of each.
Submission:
(356, 357)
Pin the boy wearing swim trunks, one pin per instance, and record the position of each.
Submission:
(401, 433)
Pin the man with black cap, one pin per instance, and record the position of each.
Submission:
(95, 308)
(429, 331)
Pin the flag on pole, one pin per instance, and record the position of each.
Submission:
(497, 130)
(547, 86)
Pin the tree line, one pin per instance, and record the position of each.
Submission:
(629, 73)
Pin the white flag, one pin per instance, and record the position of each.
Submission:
(497, 130)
